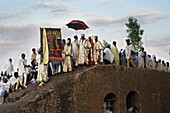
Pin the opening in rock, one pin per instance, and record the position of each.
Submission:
(132, 102)
(110, 103)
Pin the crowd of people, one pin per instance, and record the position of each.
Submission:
(76, 53)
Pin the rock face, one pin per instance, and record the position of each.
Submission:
(84, 91)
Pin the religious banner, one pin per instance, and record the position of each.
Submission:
(54, 41)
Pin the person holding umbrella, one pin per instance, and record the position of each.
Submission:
(82, 53)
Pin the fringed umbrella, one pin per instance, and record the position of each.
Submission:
(77, 25)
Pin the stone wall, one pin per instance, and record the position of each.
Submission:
(152, 87)
(85, 92)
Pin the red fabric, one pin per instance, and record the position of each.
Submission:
(52, 58)
(90, 61)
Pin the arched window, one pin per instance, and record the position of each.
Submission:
(132, 102)
(110, 103)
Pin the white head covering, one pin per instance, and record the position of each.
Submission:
(6, 66)
(153, 56)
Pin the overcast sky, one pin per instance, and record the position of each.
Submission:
(20, 21)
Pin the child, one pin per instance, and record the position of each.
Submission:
(34, 55)
(15, 82)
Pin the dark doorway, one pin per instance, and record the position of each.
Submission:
(110, 103)
(132, 102)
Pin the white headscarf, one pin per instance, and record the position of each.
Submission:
(7, 66)
(153, 56)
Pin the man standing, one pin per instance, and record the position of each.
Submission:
(75, 49)
(68, 54)
(115, 53)
(160, 66)
(98, 51)
(34, 55)
(153, 62)
(129, 51)
(22, 65)
(149, 62)
(141, 59)
(82, 54)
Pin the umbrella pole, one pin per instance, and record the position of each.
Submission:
(76, 32)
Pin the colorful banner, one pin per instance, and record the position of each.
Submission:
(54, 41)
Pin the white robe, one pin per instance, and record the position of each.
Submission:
(42, 71)
(109, 55)
(75, 49)
(116, 54)
(8, 68)
(82, 54)
(153, 62)
(4, 87)
(2, 93)
(98, 51)
(149, 63)
(22, 71)
(128, 50)
(160, 67)
(67, 60)
(141, 59)
(21, 67)
(168, 68)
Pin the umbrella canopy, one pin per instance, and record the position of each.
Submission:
(77, 25)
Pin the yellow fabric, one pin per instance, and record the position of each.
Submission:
(116, 54)
(45, 48)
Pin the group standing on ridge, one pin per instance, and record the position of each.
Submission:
(76, 53)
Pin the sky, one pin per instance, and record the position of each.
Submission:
(20, 21)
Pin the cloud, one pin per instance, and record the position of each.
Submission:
(111, 2)
(16, 14)
(38, 6)
(16, 39)
(158, 46)
(144, 17)
(52, 6)
(44, 4)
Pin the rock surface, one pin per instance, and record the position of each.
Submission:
(84, 90)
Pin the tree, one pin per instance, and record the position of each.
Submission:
(105, 43)
(134, 33)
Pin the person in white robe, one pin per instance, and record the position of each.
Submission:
(115, 53)
(42, 70)
(75, 49)
(8, 68)
(108, 56)
(98, 51)
(22, 71)
(149, 62)
(153, 62)
(160, 66)
(34, 55)
(42, 63)
(68, 54)
(141, 56)
(4, 89)
(129, 55)
(82, 57)
(164, 66)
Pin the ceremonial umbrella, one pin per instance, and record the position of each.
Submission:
(77, 25)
